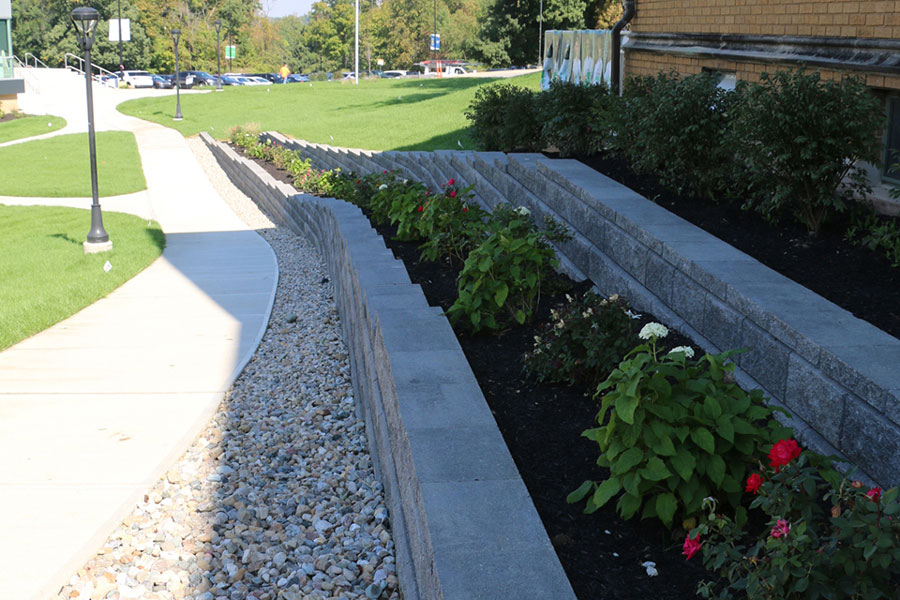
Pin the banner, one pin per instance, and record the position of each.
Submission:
(582, 57)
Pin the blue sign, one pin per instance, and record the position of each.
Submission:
(435, 41)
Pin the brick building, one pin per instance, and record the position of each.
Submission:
(740, 39)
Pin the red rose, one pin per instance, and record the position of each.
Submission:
(874, 494)
(465, 209)
(419, 209)
(753, 483)
(453, 193)
(783, 453)
(357, 182)
(451, 182)
(691, 546)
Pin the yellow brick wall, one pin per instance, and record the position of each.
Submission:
(843, 18)
(651, 63)
(9, 103)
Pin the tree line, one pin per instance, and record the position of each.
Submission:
(494, 32)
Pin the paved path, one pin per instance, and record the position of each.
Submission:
(94, 409)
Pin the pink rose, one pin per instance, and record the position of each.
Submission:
(783, 453)
(451, 182)
(874, 494)
(453, 193)
(420, 209)
(691, 546)
(781, 529)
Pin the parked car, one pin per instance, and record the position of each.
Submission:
(272, 77)
(297, 78)
(230, 80)
(136, 79)
(254, 80)
(201, 77)
(162, 82)
(185, 80)
(393, 73)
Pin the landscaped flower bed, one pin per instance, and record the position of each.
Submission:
(540, 442)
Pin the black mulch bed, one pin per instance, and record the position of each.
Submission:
(542, 424)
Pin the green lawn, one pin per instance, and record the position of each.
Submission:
(28, 126)
(46, 275)
(382, 114)
(59, 167)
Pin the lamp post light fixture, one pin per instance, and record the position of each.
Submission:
(85, 19)
(121, 62)
(218, 24)
(176, 35)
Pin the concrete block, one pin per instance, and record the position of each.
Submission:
(766, 359)
(448, 454)
(658, 276)
(424, 404)
(407, 329)
(868, 370)
(721, 324)
(816, 399)
(872, 442)
(489, 543)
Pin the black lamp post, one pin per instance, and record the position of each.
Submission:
(218, 59)
(85, 19)
(176, 35)
(121, 63)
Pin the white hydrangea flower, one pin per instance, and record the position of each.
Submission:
(404, 181)
(688, 351)
(653, 329)
(614, 297)
(522, 211)
(383, 186)
(570, 299)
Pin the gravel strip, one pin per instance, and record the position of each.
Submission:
(276, 499)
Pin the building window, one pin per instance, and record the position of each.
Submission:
(892, 141)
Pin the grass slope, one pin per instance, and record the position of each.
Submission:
(381, 114)
(46, 275)
(59, 167)
(23, 127)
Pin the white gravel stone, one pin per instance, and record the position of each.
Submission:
(277, 498)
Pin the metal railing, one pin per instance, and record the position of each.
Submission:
(36, 60)
(8, 65)
(94, 67)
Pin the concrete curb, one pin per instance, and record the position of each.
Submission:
(463, 522)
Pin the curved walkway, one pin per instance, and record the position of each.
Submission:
(94, 409)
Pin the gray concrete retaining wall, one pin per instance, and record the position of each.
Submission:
(837, 374)
(463, 522)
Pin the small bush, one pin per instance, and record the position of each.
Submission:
(504, 117)
(452, 222)
(566, 112)
(801, 139)
(825, 538)
(678, 129)
(678, 430)
(500, 283)
(877, 233)
(585, 340)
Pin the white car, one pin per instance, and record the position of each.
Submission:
(136, 79)
(254, 80)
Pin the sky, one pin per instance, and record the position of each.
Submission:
(283, 8)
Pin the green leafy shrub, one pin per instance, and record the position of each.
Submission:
(504, 117)
(805, 551)
(244, 136)
(677, 127)
(452, 223)
(567, 111)
(673, 431)
(801, 139)
(584, 341)
(878, 233)
(501, 280)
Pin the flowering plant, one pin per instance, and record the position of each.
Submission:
(674, 430)
(583, 341)
(452, 222)
(804, 550)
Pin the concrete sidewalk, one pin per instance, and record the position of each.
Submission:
(94, 409)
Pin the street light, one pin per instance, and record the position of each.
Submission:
(121, 62)
(218, 24)
(85, 19)
(176, 35)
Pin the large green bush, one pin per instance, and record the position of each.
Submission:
(504, 117)
(802, 139)
(567, 112)
(677, 128)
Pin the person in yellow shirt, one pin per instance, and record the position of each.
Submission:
(284, 72)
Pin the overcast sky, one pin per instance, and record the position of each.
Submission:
(283, 8)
